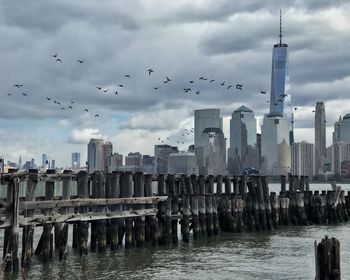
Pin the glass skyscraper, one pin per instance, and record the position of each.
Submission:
(279, 78)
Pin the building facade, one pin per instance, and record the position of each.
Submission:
(96, 155)
(161, 153)
(75, 161)
(303, 159)
(320, 137)
(183, 163)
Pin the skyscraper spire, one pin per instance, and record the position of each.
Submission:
(280, 27)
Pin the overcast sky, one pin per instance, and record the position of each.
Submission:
(224, 40)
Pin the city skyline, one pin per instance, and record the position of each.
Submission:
(209, 41)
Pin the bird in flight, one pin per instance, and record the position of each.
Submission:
(150, 71)
(120, 85)
(96, 116)
(230, 86)
(212, 81)
(99, 88)
(239, 86)
(24, 94)
(127, 76)
(55, 55)
(72, 102)
(62, 108)
(106, 90)
(223, 83)
(9, 94)
(187, 89)
(156, 88)
(81, 60)
(48, 98)
(296, 108)
(58, 60)
(263, 92)
(197, 92)
(313, 111)
(283, 95)
(191, 82)
(18, 85)
(86, 110)
(202, 78)
(70, 107)
(167, 79)
(116, 92)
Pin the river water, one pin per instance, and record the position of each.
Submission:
(286, 253)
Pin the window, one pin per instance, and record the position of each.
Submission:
(242, 116)
(277, 121)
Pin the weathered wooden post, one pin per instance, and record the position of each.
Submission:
(197, 233)
(228, 218)
(164, 189)
(262, 213)
(215, 205)
(185, 222)
(283, 183)
(28, 231)
(242, 185)
(98, 228)
(274, 209)
(302, 219)
(47, 244)
(201, 205)
(82, 226)
(139, 191)
(174, 194)
(126, 191)
(249, 205)
(267, 202)
(114, 192)
(151, 230)
(284, 209)
(11, 260)
(62, 228)
(327, 257)
(209, 191)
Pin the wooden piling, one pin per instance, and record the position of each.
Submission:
(28, 231)
(174, 194)
(209, 191)
(197, 232)
(139, 191)
(274, 209)
(62, 228)
(151, 229)
(267, 202)
(201, 205)
(215, 199)
(126, 191)
(113, 187)
(82, 227)
(228, 223)
(262, 214)
(283, 183)
(185, 222)
(327, 257)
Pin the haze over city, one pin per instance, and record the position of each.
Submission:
(226, 41)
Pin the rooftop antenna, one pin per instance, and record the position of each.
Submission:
(280, 27)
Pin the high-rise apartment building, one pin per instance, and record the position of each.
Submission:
(320, 137)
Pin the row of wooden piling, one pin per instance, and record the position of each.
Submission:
(203, 205)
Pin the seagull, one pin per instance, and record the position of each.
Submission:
(70, 107)
(150, 71)
(24, 94)
(86, 110)
(296, 108)
(62, 108)
(239, 86)
(156, 88)
(58, 60)
(106, 90)
(191, 82)
(168, 80)
(72, 102)
(313, 111)
(116, 92)
(203, 79)
(283, 95)
(120, 85)
(212, 81)
(197, 92)
(263, 92)
(18, 85)
(223, 83)
(187, 89)
(48, 98)
(127, 76)
(267, 101)
(96, 116)
(55, 55)
(9, 94)
(99, 88)
(230, 86)
(81, 60)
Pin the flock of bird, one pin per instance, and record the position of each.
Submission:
(191, 88)
(169, 140)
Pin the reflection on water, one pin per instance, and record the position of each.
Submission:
(286, 253)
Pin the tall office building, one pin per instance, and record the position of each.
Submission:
(96, 152)
(209, 139)
(53, 164)
(302, 159)
(44, 161)
(183, 163)
(133, 162)
(149, 164)
(19, 165)
(320, 137)
(115, 162)
(75, 161)
(341, 146)
(242, 139)
(275, 148)
(279, 76)
(161, 153)
(107, 152)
